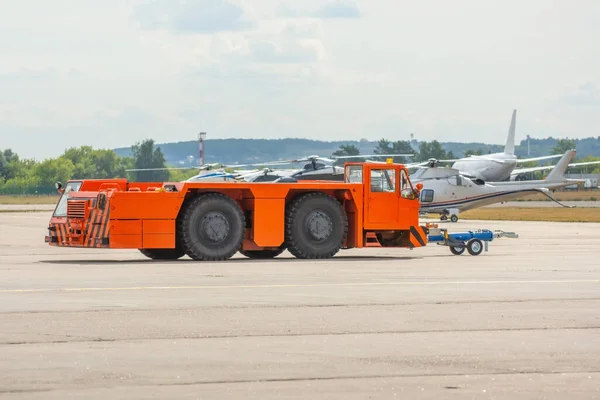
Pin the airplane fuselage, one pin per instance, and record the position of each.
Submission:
(463, 194)
(494, 167)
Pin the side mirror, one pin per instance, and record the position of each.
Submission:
(59, 187)
(101, 201)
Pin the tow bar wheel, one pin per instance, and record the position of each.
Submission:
(474, 247)
(457, 250)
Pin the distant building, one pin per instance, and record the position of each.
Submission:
(592, 181)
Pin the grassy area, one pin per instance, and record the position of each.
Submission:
(24, 211)
(533, 214)
(581, 195)
(20, 200)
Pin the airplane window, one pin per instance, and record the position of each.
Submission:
(426, 195)
(458, 180)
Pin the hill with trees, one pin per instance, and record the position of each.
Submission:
(28, 177)
(231, 151)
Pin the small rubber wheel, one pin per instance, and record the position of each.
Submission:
(454, 218)
(316, 226)
(262, 254)
(163, 254)
(443, 217)
(457, 251)
(211, 227)
(475, 247)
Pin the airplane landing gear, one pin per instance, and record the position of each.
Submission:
(452, 212)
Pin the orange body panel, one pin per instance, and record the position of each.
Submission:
(126, 241)
(145, 205)
(270, 213)
(121, 214)
(158, 234)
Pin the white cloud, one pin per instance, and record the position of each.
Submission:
(114, 72)
(335, 9)
(192, 16)
(584, 94)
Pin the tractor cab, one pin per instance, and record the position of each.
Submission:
(389, 196)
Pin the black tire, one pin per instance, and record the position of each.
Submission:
(475, 247)
(457, 251)
(304, 214)
(262, 254)
(443, 218)
(211, 227)
(163, 254)
(454, 218)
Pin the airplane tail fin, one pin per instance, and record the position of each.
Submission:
(557, 174)
(509, 148)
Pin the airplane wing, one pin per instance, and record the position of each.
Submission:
(546, 167)
(525, 160)
(479, 158)
(372, 155)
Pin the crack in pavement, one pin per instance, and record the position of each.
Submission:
(399, 332)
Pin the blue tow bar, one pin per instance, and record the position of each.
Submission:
(473, 241)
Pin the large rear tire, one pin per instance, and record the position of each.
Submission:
(163, 254)
(211, 227)
(316, 226)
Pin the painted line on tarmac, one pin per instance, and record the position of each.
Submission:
(293, 285)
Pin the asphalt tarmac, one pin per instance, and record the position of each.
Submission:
(521, 321)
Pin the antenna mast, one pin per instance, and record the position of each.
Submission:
(201, 137)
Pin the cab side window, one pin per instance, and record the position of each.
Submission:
(403, 180)
(383, 180)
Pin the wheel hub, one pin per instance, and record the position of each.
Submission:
(476, 246)
(214, 226)
(319, 225)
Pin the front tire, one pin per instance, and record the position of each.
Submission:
(316, 226)
(211, 227)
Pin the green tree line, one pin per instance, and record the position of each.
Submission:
(426, 150)
(28, 177)
(20, 176)
(434, 149)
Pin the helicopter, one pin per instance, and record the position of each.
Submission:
(316, 168)
(447, 191)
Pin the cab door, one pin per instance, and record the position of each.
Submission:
(382, 198)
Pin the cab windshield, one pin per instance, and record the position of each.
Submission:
(61, 207)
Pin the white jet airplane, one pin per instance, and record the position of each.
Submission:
(447, 192)
(497, 166)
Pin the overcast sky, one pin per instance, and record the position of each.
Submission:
(112, 72)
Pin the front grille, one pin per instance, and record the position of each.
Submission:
(76, 209)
